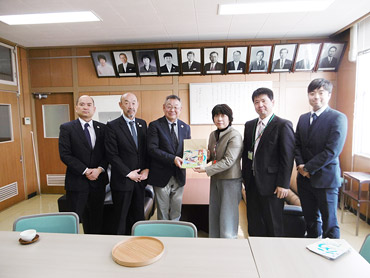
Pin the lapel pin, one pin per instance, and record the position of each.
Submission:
(97, 126)
(139, 125)
(182, 126)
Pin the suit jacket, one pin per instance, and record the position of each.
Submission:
(163, 153)
(218, 66)
(231, 66)
(173, 68)
(303, 64)
(273, 157)
(287, 64)
(195, 67)
(255, 66)
(76, 154)
(228, 154)
(318, 147)
(324, 63)
(122, 153)
(130, 68)
(151, 69)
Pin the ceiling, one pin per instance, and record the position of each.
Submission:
(146, 21)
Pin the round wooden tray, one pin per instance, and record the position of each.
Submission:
(137, 251)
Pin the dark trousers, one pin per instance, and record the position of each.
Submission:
(319, 206)
(89, 206)
(128, 208)
(264, 213)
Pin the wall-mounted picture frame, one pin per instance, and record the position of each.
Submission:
(103, 63)
(283, 57)
(236, 59)
(146, 61)
(259, 58)
(213, 60)
(330, 56)
(124, 62)
(191, 61)
(306, 57)
(168, 61)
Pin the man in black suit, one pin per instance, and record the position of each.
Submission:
(320, 137)
(125, 67)
(81, 148)
(191, 66)
(267, 166)
(259, 64)
(214, 66)
(236, 65)
(127, 154)
(168, 67)
(165, 146)
(283, 63)
(330, 61)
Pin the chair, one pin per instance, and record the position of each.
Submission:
(61, 222)
(365, 249)
(164, 228)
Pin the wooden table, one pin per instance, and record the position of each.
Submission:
(71, 255)
(360, 196)
(289, 257)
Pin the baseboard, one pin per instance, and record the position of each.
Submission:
(33, 194)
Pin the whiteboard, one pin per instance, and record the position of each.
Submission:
(238, 95)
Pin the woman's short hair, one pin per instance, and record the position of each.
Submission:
(223, 109)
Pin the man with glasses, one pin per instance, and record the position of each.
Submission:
(165, 147)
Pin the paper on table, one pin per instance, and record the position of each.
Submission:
(330, 248)
(195, 153)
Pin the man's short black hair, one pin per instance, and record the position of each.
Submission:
(167, 54)
(146, 56)
(223, 109)
(172, 97)
(263, 91)
(263, 53)
(318, 83)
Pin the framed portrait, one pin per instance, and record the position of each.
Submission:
(236, 59)
(283, 57)
(330, 56)
(213, 60)
(124, 62)
(306, 57)
(168, 61)
(191, 61)
(103, 63)
(146, 61)
(259, 58)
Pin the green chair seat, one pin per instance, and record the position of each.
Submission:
(164, 228)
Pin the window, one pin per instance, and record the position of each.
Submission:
(362, 104)
(7, 65)
(6, 129)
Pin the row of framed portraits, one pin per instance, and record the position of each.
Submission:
(289, 57)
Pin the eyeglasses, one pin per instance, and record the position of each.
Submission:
(176, 108)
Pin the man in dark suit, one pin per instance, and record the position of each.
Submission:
(147, 66)
(267, 166)
(168, 67)
(214, 66)
(191, 66)
(236, 65)
(330, 61)
(165, 146)
(125, 67)
(127, 154)
(81, 148)
(283, 63)
(259, 64)
(320, 136)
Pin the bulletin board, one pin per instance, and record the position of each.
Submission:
(238, 95)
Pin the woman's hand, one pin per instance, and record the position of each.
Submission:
(200, 169)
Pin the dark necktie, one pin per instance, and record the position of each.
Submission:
(173, 136)
(133, 131)
(314, 118)
(87, 134)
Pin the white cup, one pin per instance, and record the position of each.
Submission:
(28, 235)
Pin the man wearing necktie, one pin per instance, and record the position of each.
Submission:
(283, 63)
(267, 164)
(214, 65)
(330, 61)
(81, 148)
(165, 146)
(319, 139)
(127, 154)
(259, 64)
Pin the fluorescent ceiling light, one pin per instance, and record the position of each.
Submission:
(273, 7)
(47, 18)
